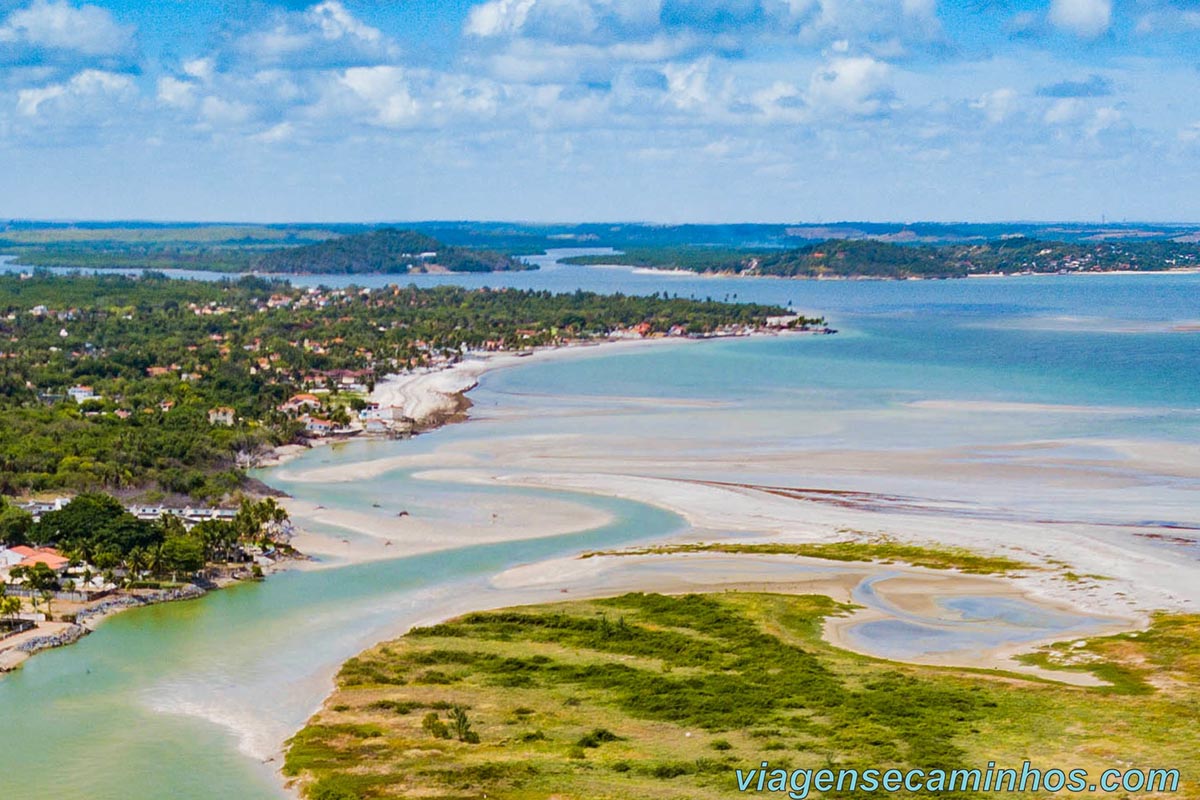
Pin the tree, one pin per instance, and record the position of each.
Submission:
(14, 523)
(78, 520)
(462, 725)
(182, 554)
(9, 606)
(39, 579)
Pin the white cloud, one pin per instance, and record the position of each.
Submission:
(1169, 20)
(88, 88)
(687, 84)
(1103, 119)
(325, 35)
(275, 134)
(176, 93)
(997, 105)
(721, 23)
(859, 86)
(1086, 18)
(498, 17)
(386, 94)
(220, 112)
(1066, 110)
(202, 69)
(87, 30)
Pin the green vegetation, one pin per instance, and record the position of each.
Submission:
(94, 530)
(159, 355)
(651, 696)
(849, 258)
(878, 548)
(249, 248)
(219, 248)
(386, 250)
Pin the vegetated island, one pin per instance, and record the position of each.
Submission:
(646, 695)
(388, 251)
(849, 258)
(252, 249)
(132, 408)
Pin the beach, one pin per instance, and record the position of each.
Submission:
(1080, 561)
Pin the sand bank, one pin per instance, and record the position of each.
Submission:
(374, 536)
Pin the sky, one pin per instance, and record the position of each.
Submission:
(600, 110)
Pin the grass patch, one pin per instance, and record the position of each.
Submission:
(881, 549)
(651, 696)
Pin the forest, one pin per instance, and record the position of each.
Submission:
(107, 382)
(249, 249)
(866, 258)
(387, 251)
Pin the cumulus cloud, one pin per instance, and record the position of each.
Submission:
(1064, 111)
(50, 25)
(859, 86)
(324, 35)
(384, 93)
(997, 105)
(721, 24)
(1086, 18)
(90, 90)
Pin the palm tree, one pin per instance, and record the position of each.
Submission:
(154, 560)
(135, 561)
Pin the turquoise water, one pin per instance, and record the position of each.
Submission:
(185, 700)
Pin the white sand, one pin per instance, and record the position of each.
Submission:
(1003, 480)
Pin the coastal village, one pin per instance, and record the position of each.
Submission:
(49, 596)
(327, 402)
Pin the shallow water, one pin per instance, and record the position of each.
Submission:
(964, 623)
(183, 700)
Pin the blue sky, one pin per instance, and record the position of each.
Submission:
(563, 110)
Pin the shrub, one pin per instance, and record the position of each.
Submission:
(434, 726)
(597, 737)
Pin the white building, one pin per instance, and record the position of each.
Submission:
(81, 393)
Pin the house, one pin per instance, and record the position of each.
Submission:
(785, 321)
(9, 558)
(300, 402)
(376, 426)
(81, 393)
(222, 415)
(320, 427)
(166, 405)
(148, 513)
(376, 411)
(42, 555)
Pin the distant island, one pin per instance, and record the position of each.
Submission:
(842, 249)
(869, 258)
(388, 251)
(240, 249)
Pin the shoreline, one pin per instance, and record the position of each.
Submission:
(438, 390)
(51, 635)
(434, 397)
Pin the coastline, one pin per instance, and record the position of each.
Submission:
(738, 511)
(50, 635)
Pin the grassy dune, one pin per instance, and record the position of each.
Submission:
(646, 696)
